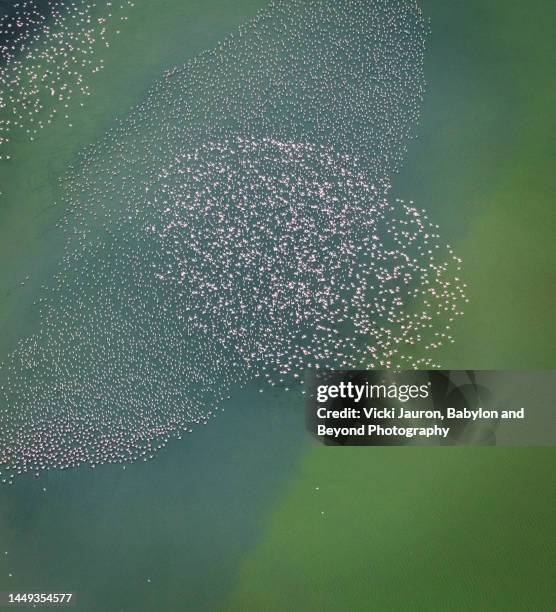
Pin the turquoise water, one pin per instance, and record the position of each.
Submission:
(168, 534)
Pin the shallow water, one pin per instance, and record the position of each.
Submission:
(168, 534)
(105, 532)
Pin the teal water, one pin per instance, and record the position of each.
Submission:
(157, 37)
(168, 534)
(185, 520)
(104, 533)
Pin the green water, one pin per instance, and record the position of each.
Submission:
(185, 521)
(163, 535)
(449, 529)
(231, 518)
(156, 37)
